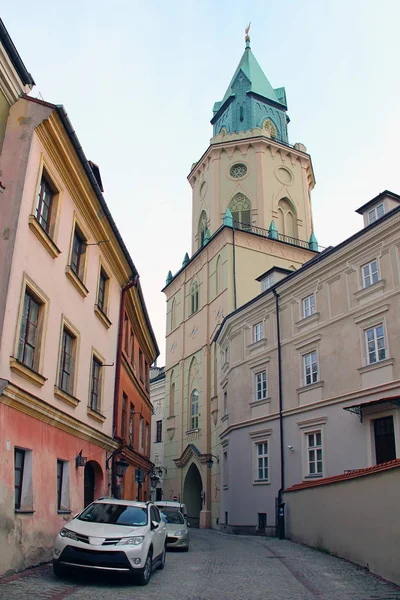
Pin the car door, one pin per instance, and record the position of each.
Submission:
(158, 534)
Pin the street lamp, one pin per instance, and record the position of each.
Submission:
(121, 467)
(209, 460)
(154, 478)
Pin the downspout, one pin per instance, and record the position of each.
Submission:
(234, 269)
(282, 454)
(117, 385)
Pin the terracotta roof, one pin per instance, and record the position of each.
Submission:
(345, 476)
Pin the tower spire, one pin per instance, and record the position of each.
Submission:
(247, 36)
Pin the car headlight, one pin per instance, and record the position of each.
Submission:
(68, 533)
(131, 541)
(181, 532)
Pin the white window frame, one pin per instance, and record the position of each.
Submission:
(308, 306)
(261, 385)
(268, 282)
(65, 487)
(309, 363)
(264, 456)
(373, 214)
(314, 448)
(375, 341)
(258, 331)
(370, 273)
(26, 503)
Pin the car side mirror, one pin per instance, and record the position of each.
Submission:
(154, 525)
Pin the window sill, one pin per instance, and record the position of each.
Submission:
(24, 511)
(190, 431)
(225, 487)
(261, 482)
(43, 237)
(101, 315)
(65, 397)
(27, 373)
(260, 402)
(316, 476)
(308, 320)
(310, 386)
(258, 344)
(97, 416)
(381, 363)
(64, 512)
(76, 282)
(375, 287)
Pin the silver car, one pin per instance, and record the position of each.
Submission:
(177, 529)
(112, 535)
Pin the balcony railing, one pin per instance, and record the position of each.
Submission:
(274, 235)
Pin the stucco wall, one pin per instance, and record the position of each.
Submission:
(355, 519)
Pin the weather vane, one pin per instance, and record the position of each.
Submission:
(247, 38)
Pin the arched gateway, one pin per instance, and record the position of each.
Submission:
(192, 495)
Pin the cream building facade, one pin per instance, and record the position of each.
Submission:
(251, 211)
(317, 392)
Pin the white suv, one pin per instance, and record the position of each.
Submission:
(113, 535)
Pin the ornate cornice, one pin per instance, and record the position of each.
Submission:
(187, 454)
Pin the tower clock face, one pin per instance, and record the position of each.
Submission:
(238, 170)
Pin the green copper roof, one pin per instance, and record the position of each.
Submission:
(259, 84)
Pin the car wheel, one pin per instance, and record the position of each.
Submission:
(144, 576)
(59, 571)
(162, 561)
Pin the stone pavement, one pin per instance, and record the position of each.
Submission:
(218, 567)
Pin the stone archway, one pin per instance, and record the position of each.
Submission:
(93, 482)
(192, 489)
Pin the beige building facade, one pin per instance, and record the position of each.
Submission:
(250, 212)
(316, 392)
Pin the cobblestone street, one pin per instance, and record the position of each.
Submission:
(218, 567)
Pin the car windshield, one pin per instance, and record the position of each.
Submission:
(114, 514)
(172, 516)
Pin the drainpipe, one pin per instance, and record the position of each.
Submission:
(281, 516)
(234, 269)
(133, 282)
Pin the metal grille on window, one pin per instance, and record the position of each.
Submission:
(239, 170)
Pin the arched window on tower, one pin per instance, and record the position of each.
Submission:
(286, 222)
(270, 128)
(202, 228)
(173, 314)
(172, 397)
(194, 297)
(194, 410)
(218, 276)
(240, 207)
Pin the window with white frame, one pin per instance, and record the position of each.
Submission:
(314, 453)
(261, 461)
(258, 332)
(194, 410)
(268, 282)
(376, 213)
(261, 385)
(310, 365)
(62, 485)
(376, 346)
(23, 491)
(308, 306)
(370, 273)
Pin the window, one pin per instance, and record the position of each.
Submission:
(141, 432)
(225, 472)
(147, 444)
(146, 375)
(126, 333)
(78, 253)
(385, 445)
(132, 347)
(370, 273)
(19, 460)
(262, 521)
(376, 213)
(262, 461)
(67, 362)
(194, 410)
(159, 431)
(268, 282)
(62, 485)
(238, 170)
(123, 415)
(310, 368)
(44, 205)
(102, 291)
(240, 207)
(314, 453)
(375, 340)
(202, 228)
(225, 407)
(308, 306)
(95, 386)
(28, 346)
(173, 314)
(258, 332)
(140, 365)
(194, 297)
(172, 399)
(261, 385)
(131, 425)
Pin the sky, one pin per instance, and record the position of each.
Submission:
(139, 80)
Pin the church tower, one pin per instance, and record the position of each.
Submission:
(251, 214)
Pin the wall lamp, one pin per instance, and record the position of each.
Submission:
(80, 461)
(121, 465)
(209, 460)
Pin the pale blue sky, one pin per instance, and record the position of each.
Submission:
(139, 79)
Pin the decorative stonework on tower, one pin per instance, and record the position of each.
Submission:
(250, 101)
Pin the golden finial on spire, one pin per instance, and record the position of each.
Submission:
(247, 37)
